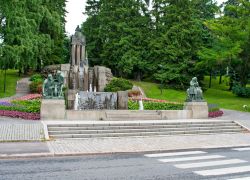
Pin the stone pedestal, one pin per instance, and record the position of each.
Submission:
(53, 109)
(199, 109)
(71, 98)
(122, 100)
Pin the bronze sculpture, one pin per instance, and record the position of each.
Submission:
(194, 92)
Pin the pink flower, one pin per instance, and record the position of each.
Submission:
(18, 114)
(29, 97)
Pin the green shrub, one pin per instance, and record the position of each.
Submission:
(118, 84)
(241, 91)
(214, 109)
(134, 105)
(36, 87)
(36, 78)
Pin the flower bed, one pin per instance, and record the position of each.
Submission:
(25, 107)
(215, 114)
(29, 97)
(18, 114)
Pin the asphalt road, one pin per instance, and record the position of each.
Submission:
(219, 164)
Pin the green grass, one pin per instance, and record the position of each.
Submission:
(217, 94)
(11, 79)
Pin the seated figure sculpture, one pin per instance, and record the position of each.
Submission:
(53, 87)
(194, 92)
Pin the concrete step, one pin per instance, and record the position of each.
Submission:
(141, 124)
(142, 130)
(55, 128)
(124, 129)
(145, 134)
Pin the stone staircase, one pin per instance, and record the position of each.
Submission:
(140, 129)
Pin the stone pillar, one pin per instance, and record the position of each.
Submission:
(83, 58)
(71, 98)
(73, 52)
(78, 56)
(86, 79)
(53, 109)
(122, 100)
(199, 109)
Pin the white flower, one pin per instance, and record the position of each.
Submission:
(244, 106)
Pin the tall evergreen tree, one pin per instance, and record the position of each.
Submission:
(178, 36)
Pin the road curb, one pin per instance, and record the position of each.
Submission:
(25, 155)
(39, 155)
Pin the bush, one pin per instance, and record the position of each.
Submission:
(134, 105)
(36, 87)
(241, 91)
(118, 84)
(36, 78)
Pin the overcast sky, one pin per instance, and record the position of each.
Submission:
(75, 9)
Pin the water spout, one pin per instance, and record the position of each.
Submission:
(141, 108)
(90, 88)
(76, 102)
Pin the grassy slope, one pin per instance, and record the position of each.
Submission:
(12, 78)
(218, 94)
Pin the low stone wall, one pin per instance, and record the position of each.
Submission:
(55, 110)
(107, 115)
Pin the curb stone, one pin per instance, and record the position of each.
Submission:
(67, 154)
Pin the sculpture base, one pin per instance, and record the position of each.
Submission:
(199, 109)
(53, 109)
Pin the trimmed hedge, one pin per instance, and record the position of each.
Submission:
(134, 105)
(118, 84)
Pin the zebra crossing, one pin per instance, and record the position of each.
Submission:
(206, 164)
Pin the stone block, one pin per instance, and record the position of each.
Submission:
(71, 98)
(65, 67)
(53, 109)
(122, 100)
(199, 109)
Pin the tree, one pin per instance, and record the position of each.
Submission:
(116, 35)
(232, 32)
(177, 38)
(33, 33)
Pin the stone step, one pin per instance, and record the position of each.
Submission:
(141, 130)
(137, 127)
(141, 124)
(145, 134)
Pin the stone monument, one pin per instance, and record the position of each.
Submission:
(195, 101)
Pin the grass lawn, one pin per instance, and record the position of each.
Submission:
(11, 79)
(217, 94)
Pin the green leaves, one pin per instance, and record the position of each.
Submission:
(33, 33)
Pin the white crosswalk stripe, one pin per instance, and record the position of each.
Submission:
(223, 171)
(174, 154)
(243, 178)
(242, 149)
(195, 160)
(209, 163)
(191, 158)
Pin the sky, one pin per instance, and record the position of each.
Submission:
(75, 16)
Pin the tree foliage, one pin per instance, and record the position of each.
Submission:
(32, 33)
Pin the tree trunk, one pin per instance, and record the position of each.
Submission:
(220, 78)
(210, 79)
